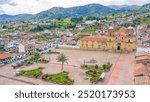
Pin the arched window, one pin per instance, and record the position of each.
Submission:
(129, 40)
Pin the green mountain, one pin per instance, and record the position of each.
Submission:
(125, 7)
(145, 8)
(9, 18)
(91, 9)
(86, 10)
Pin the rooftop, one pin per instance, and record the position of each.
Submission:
(5, 55)
(140, 70)
(95, 38)
(139, 54)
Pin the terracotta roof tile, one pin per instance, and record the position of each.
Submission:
(140, 70)
(95, 38)
(143, 58)
(5, 55)
(139, 54)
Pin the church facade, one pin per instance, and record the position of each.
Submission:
(121, 41)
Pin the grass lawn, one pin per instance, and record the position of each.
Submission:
(3, 33)
(60, 78)
(146, 20)
(32, 73)
(1, 51)
(95, 76)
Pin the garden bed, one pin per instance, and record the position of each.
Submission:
(32, 73)
(95, 75)
(107, 66)
(60, 78)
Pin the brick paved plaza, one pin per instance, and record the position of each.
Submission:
(76, 58)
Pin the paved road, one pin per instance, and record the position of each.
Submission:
(122, 73)
(26, 82)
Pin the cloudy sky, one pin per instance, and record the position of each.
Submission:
(34, 6)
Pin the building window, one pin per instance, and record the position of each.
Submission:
(109, 39)
(129, 40)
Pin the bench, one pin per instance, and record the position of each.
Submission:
(102, 76)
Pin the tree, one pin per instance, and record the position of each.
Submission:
(62, 58)
(4, 27)
(77, 19)
(91, 18)
(35, 57)
(58, 18)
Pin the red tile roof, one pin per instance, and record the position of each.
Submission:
(139, 54)
(95, 38)
(143, 58)
(140, 70)
(102, 26)
(5, 55)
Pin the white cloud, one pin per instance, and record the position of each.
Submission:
(34, 6)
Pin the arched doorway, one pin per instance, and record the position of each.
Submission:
(118, 46)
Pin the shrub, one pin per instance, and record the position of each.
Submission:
(95, 75)
(96, 66)
(94, 79)
(107, 66)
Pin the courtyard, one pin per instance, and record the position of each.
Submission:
(75, 59)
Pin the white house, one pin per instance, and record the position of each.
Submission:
(21, 48)
(146, 43)
(143, 49)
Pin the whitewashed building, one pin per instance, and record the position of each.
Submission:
(21, 48)
(143, 49)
